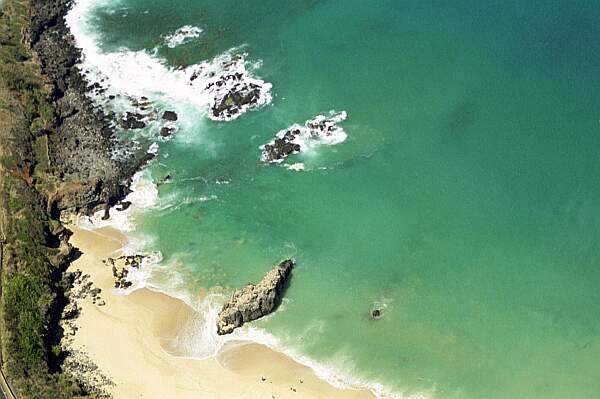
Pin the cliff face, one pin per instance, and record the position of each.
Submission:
(80, 143)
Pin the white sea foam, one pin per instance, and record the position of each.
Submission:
(321, 130)
(198, 339)
(143, 196)
(182, 35)
(296, 166)
(127, 73)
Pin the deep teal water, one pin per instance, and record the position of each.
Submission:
(466, 198)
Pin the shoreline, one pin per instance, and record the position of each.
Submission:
(239, 370)
(128, 338)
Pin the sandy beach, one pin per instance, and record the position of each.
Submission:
(128, 336)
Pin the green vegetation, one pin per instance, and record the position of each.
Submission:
(24, 297)
(29, 295)
(30, 284)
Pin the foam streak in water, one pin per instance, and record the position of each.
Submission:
(182, 36)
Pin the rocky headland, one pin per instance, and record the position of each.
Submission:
(255, 301)
(82, 141)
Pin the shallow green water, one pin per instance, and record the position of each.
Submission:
(465, 198)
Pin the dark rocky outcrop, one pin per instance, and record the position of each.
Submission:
(81, 145)
(132, 120)
(255, 301)
(233, 94)
(166, 132)
(281, 147)
(321, 129)
(169, 116)
(241, 95)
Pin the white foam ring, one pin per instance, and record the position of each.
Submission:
(321, 130)
(182, 35)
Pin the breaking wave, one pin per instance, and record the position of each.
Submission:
(128, 76)
(182, 35)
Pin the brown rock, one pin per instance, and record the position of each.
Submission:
(255, 301)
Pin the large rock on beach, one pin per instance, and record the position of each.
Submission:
(255, 301)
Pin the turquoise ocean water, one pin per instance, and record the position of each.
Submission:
(465, 202)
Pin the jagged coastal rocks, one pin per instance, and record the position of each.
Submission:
(297, 138)
(231, 87)
(80, 148)
(255, 301)
(120, 268)
(132, 120)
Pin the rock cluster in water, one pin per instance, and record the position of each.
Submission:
(231, 88)
(241, 95)
(133, 120)
(255, 301)
(320, 130)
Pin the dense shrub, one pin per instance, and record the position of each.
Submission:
(29, 312)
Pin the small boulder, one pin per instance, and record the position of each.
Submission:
(166, 132)
(169, 116)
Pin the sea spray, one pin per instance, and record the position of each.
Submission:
(128, 75)
(182, 35)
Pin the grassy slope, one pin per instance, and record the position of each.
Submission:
(30, 286)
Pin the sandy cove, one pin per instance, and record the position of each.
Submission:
(126, 339)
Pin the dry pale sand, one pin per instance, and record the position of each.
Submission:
(126, 339)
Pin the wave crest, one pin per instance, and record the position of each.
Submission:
(182, 35)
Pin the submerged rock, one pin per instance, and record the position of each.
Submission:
(255, 301)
